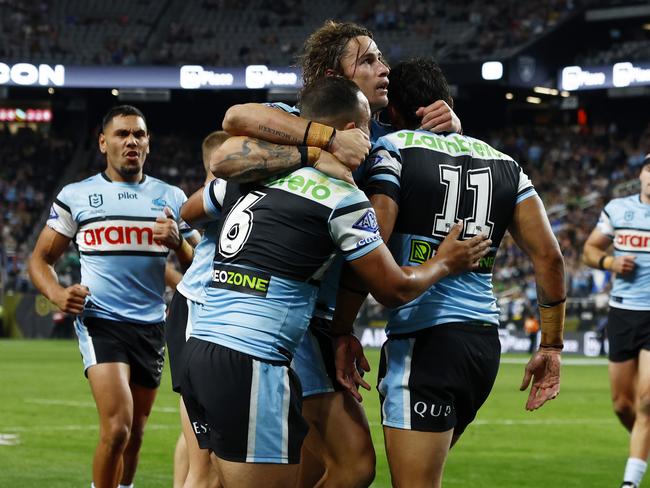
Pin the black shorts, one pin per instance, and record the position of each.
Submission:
(141, 346)
(176, 326)
(436, 379)
(628, 331)
(313, 360)
(241, 408)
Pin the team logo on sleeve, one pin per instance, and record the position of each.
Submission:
(95, 200)
(368, 222)
(53, 214)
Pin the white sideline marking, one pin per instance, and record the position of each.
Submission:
(56, 428)
(565, 361)
(68, 403)
(9, 439)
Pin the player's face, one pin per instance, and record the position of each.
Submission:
(644, 177)
(125, 142)
(362, 63)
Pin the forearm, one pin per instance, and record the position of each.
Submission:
(551, 298)
(595, 257)
(44, 278)
(267, 123)
(246, 159)
(409, 283)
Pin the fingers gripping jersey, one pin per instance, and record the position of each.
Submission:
(112, 225)
(196, 278)
(627, 222)
(436, 181)
(274, 239)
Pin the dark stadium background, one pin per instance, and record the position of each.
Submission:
(579, 147)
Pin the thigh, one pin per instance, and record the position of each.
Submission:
(341, 424)
(416, 459)
(623, 379)
(109, 383)
(143, 399)
(245, 475)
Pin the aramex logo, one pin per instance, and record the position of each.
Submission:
(633, 240)
(117, 234)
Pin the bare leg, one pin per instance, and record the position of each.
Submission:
(640, 438)
(143, 399)
(346, 446)
(416, 459)
(250, 475)
(109, 383)
(181, 461)
(623, 379)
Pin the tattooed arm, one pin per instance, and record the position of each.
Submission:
(244, 159)
(264, 122)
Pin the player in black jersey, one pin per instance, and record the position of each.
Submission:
(442, 355)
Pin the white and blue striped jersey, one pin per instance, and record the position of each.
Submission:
(197, 276)
(276, 239)
(111, 224)
(437, 180)
(626, 221)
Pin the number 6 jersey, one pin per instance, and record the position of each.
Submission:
(275, 240)
(436, 181)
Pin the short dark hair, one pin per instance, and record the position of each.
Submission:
(332, 99)
(416, 83)
(121, 111)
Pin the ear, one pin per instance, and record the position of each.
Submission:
(349, 125)
(102, 143)
(330, 72)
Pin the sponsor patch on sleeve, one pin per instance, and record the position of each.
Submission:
(368, 222)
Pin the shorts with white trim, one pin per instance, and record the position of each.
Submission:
(436, 379)
(141, 346)
(241, 408)
(313, 360)
(628, 331)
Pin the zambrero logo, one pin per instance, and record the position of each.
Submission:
(632, 240)
(241, 280)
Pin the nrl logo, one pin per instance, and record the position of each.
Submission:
(95, 200)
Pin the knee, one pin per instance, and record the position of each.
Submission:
(623, 406)
(116, 435)
(643, 408)
(359, 473)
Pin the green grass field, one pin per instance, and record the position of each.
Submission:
(575, 441)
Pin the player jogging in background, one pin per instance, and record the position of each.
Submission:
(123, 223)
(624, 225)
(197, 472)
(276, 238)
(343, 448)
(442, 354)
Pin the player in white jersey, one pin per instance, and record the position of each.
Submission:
(442, 354)
(624, 225)
(123, 223)
(277, 235)
(335, 49)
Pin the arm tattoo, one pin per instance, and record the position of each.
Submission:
(288, 138)
(258, 160)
